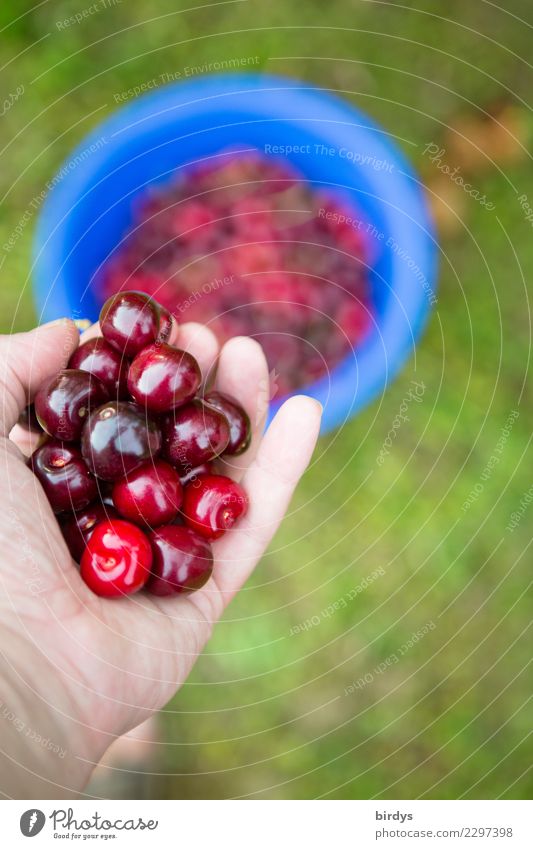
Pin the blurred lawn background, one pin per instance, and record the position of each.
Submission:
(265, 713)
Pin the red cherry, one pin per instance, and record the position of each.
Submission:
(63, 404)
(117, 559)
(193, 434)
(240, 431)
(253, 257)
(129, 321)
(252, 219)
(118, 438)
(101, 360)
(182, 561)
(78, 528)
(213, 505)
(151, 495)
(64, 476)
(192, 221)
(162, 377)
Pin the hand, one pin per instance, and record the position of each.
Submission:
(79, 670)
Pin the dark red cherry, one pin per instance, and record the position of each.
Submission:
(101, 360)
(166, 323)
(240, 431)
(151, 495)
(182, 561)
(162, 377)
(64, 476)
(193, 434)
(193, 474)
(64, 402)
(213, 505)
(118, 438)
(117, 559)
(129, 321)
(29, 421)
(78, 528)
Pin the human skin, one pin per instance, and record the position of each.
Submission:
(79, 671)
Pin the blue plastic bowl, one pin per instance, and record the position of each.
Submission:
(89, 208)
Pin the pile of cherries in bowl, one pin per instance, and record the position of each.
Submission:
(244, 243)
(126, 462)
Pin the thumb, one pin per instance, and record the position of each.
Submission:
(26, 360)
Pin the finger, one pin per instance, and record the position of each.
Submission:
(202, 343)
(91, 332)
(243, 373)
(26, 360)
(25, 440)
(281, 460)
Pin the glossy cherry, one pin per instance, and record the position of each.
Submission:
(193, 434)
(162, 377)
(78, 528)
(63, 404)
(117, 559)
(182, 561)
(150, 495)
(130, 321)
(240, 431)
(213, 505)
(103, 361)
(118, 438)
(64, 476)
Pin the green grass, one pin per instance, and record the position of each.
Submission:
(265, 713)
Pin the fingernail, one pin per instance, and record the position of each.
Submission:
(314, 401)
(57, 322)
(83, 323)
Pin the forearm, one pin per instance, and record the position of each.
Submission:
(44, 753)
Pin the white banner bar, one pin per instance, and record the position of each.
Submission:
(268, 824)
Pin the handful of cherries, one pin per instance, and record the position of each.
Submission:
(127, 461)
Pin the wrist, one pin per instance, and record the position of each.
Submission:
(44, 751)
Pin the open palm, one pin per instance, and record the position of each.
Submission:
(87, 669)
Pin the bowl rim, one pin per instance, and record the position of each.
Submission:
(366, 372)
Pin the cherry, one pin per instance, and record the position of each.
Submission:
(192, 474)
(213, 505)
(29, 421)
(129, 321)
(104, 362)
(194, 434)
(182, 561)
(63, 404)
(166, 323)
(162, 377)
(240, 431)
(152, 494)
(64, 476)
(117, 559)
(117, 438)
(192, 221)
(78, 528)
